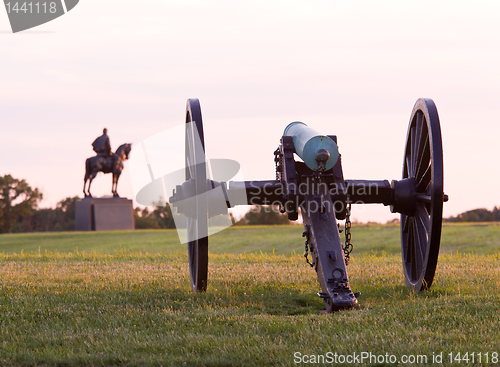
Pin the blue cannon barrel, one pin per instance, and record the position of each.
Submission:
(319, 152)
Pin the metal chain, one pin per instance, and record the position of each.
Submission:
(279, 173)
(276, 162)
(306, 245)
(348, 245)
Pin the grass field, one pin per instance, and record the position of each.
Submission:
(123, 298)
(479, 238)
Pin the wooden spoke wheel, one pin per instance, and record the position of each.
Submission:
(423, 170)
(197, 223)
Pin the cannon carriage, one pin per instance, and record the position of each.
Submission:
(315, 186)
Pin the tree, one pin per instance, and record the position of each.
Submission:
(163, 215)
(65, 214)
(160, 218)
(144, 219)
(269, 215)
(62, 218)
(17, 200)
(477, 215)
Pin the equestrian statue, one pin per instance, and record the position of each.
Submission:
(105, 161)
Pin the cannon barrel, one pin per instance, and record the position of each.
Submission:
(319, 152)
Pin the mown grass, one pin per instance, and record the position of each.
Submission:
(108, 304)
(136, 309)
(479, 238)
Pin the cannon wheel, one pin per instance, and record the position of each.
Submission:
(197, 226)
(423, 161)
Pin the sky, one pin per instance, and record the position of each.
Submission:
(348, 68)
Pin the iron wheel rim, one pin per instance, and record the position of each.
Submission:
(197, 226)
(423, 162)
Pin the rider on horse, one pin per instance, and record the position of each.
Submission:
(101, 145)
(105, 161)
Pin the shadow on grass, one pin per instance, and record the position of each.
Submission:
(259, 300)
(262, 299)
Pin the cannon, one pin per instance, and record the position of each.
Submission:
(314, 185)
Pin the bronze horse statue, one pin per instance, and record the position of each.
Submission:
(106, 164)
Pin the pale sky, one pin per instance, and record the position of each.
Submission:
(350, 68)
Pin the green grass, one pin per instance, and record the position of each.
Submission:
(479, 238)
(119, 306)
(136, 309)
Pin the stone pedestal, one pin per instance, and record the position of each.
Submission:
(104, 214)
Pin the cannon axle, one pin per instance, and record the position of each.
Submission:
(398, 194)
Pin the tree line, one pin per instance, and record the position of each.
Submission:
(19, 212)
(477, 215)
